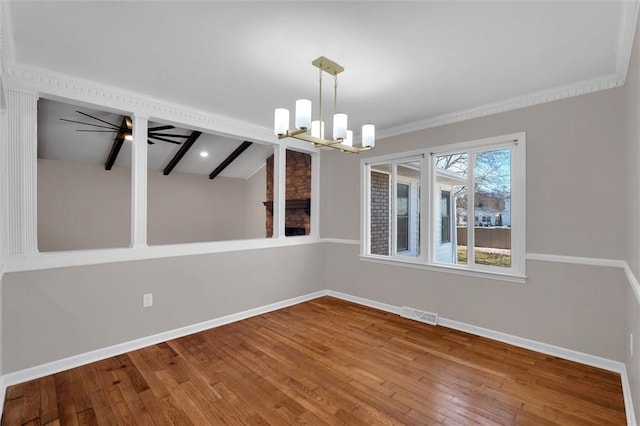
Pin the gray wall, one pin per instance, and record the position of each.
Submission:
(82, 206)
(185, 208)
(3, 143)
(561, 304)
(52, 314)
(255, 211)
(575, 207)
(632, 204)
(575, 173)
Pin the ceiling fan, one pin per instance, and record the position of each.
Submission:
(124, 130)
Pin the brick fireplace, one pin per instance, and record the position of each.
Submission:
(298, 194)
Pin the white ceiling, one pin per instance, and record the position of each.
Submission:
(405, 62)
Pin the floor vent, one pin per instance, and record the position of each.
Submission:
(422, 316)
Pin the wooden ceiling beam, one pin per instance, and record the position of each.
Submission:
(181, 152)
(235, 154)
(117, 144)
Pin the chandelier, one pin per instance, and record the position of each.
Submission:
(313, 131)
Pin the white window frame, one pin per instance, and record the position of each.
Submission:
(393, 161)
(426, 260)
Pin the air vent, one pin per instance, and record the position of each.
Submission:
(422, 316)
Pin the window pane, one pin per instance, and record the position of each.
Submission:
(402, 217)
(408, 209)
(82, 203)
(195, 193)
(450, 184)
(445, 217)
(492, 208)
(380, 209)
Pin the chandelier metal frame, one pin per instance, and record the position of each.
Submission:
(315, 133)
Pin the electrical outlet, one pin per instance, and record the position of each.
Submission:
(631, 344)
(147, 300)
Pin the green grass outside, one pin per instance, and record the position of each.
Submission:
(485, 257)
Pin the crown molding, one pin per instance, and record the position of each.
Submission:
(510, 104)
(6, 38)
(628, 24)
(626, 35)
(63, 87)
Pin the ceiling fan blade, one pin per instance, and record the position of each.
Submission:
(150, 142)
(88, 124)
(169, 134)
(98, 131)
(96, 118)
(164, 140)
(167, 127)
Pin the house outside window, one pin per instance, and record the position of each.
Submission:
(482, 180)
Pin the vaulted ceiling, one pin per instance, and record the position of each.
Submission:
(408, 65)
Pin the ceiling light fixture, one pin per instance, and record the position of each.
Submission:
(204, 154)
(313, 131)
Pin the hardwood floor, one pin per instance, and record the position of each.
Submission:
(326, 361)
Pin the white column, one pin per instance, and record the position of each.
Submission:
(139, 182)
(315, 194)
(19, 178)
(279, 190)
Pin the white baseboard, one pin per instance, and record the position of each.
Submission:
(100, 354)
(366, 302)
(545, 348)
(628, 400)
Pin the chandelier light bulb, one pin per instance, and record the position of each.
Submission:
(369, 135)
(303, 114)
(317, 129)
(339, 126)
(349, 140)
(281, 121)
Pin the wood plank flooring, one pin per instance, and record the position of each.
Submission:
(326, 361)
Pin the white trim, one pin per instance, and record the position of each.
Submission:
(628, 397)
(628, 20)
(397, 261)
(633, 282)
(589, 261)
(279, 191)
(339, 241)
(62, 259)
(494, 335)
(515, 143)
(315, 194)
(3, 393)
(506, 105)
(139, 181)
(534, 345)
(365, 302)
(100, 354)
(7, 43)
(545, 348)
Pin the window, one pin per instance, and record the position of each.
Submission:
(445, 217)
(473, 195)
(394, 194)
